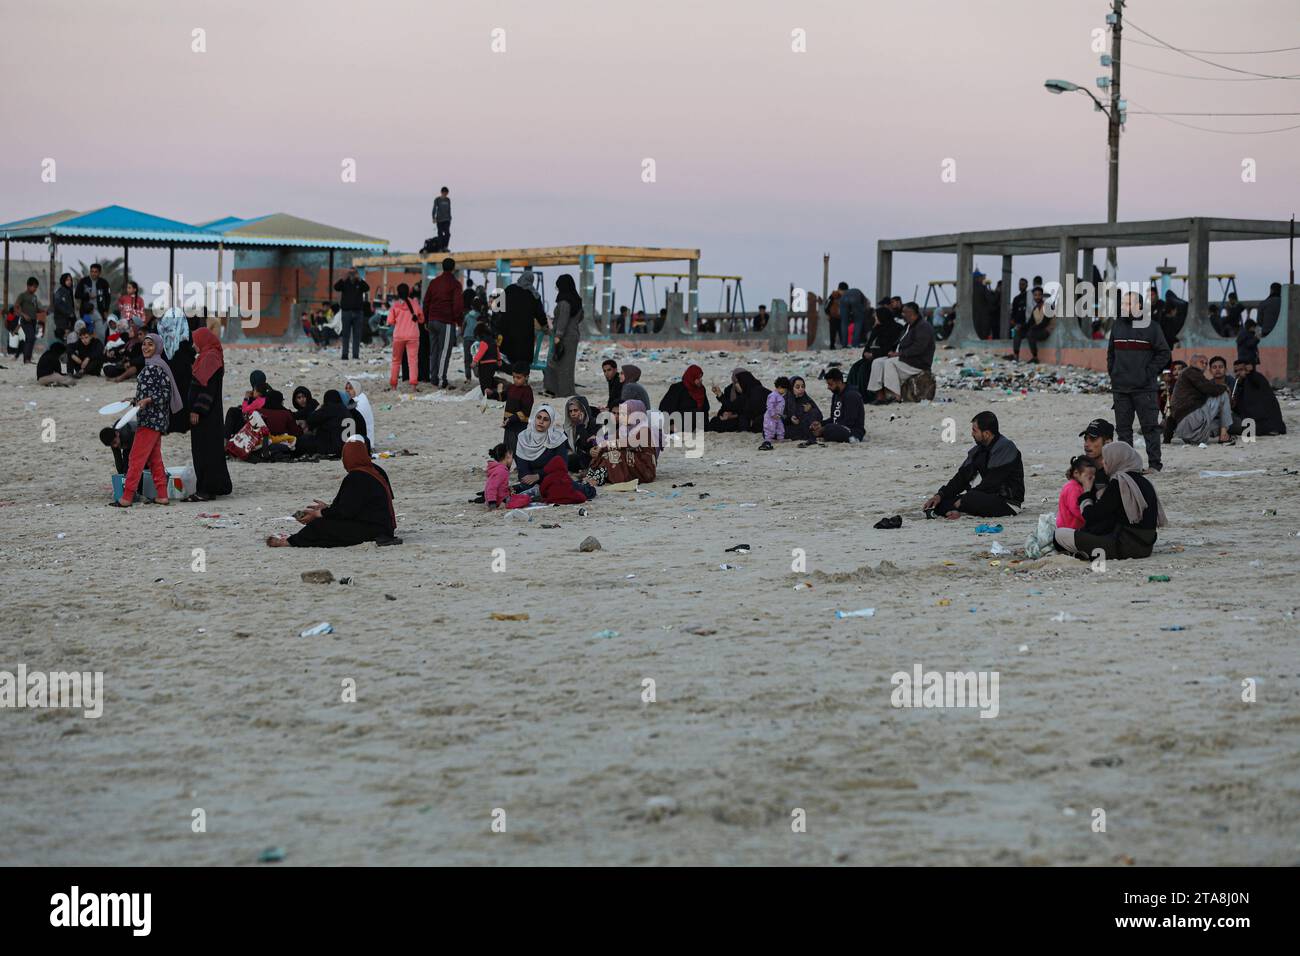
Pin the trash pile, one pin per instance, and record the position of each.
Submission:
(973, 372)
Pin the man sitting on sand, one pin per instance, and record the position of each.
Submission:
(847, 421)
(996, 461)
(1096, 436)
(1200, 408)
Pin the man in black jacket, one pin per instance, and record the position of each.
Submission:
(848, 418)
(352, 291)
(996, 461)
(1136, 355)
(93, 295)
(914, 355)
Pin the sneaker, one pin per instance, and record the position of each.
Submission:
(766, 446)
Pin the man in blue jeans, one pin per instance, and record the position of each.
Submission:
(352, 291)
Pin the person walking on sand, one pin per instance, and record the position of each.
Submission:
(157, 399)
(557, 379)
(443, 314)
(406, 318)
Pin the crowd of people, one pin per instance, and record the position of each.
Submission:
(570, 450)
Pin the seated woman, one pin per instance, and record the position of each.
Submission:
(630, 452)
(800, 411)
(581, 427)
(361, 511)
(537, 444)
(1253, 398)
(49, 367)
(743, 404)
(279, 420)
(687, 399)
(881, 340)
(1122, 522)
(359, 403)
(303, 405)
(326, 425)
(632, 387)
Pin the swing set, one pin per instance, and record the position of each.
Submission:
(1227, 284)
(730, 293)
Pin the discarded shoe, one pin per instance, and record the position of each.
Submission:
(888, 524)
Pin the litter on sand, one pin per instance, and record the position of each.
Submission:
(606, 633)
(997, 548)
(499, 616)
(1064, 617)
(1158, 577)
(1233, 474)
(860, 612)
(272, 854)
(988, 529)
(324, 627)
(739, 548)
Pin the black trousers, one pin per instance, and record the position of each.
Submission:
(1147, 408)
(833, 432)
(444, 235)
(982, 504)
(29, 337)
(326, 532)
(1031, 333)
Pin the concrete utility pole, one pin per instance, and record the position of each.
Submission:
(1112, 192)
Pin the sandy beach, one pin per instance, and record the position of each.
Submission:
(765, 702)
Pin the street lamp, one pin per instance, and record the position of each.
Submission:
(1114, 119)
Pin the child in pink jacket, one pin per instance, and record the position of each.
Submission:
(496, 491)
(774, 415)
(1068, 513)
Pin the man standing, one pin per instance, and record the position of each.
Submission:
(352, 291)
(27, 305)
(1019, 307)
(65, 308)
(443, 302)
(442, 220)
(847, 421)
(1035, 328)
(93, 295)
(1135, 356)
(833, 312)
(915, 354)
(996, 461)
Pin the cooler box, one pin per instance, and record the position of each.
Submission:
(181, 484)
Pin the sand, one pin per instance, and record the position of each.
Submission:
(214, 701)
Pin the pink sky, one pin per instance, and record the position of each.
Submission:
(765, 158)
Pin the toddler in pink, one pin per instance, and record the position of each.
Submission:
(1068, 514)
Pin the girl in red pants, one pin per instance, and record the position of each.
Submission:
(158, 399)
(407, 318)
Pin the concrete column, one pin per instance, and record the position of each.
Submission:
(817, 314)
(1197, 330)
(503, 274)
(884, 274)
(778, 327)
(964, 330)
(1067, 330)
(1008, 293)
(606, 296)
(1087, 264)
(693, 296)
(5, 304)
(587, 283)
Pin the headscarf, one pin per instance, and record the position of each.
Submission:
(525, 281)
(638, 436)
(1120, 459)
(173, 330)
(356, 458)
(532, 443)
(333, 397)
(631, 373)
(211, 358)
(743, 380)
(569, 428)
(363, 406)
(693, 379)
(256, 378)
(274, 400)
(157, 361)
(566, 291)
(311, 404)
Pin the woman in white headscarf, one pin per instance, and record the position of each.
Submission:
(359, 401)
(1122, 522)
(542, 440)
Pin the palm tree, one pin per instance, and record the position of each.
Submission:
(112, 272)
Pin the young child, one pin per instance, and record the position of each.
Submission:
(496, 491)
(519, 405)
(486, 360)
(774, 416)
(1081, 470)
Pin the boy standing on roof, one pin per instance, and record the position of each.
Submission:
(442, 220)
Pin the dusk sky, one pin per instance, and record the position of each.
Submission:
(765, 158)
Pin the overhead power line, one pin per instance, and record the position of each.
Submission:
(1201, 59)
(1161, 46)
(1167, 117)
(1129, 65)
